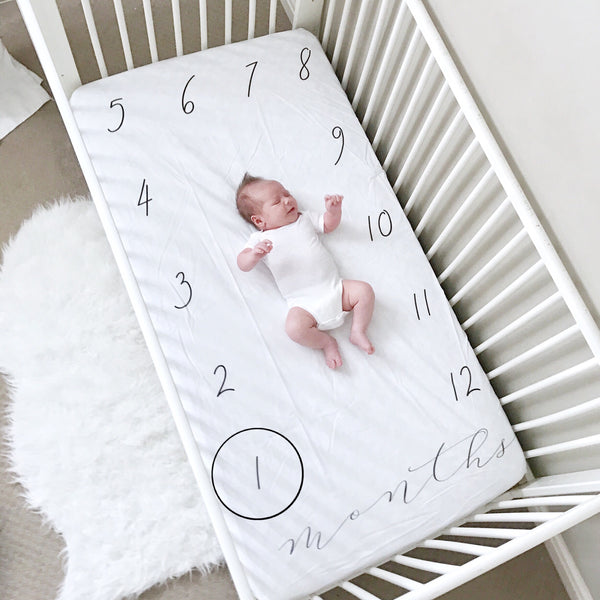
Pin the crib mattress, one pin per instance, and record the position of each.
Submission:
(318, 472)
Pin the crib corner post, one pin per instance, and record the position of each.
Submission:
(51, 44)
(307, 15)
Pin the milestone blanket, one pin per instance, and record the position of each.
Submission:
(318, 472)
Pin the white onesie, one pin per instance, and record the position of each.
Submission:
(304, 270)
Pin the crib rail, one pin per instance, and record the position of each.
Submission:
(118, 36)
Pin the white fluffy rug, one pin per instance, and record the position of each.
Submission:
(91, 436)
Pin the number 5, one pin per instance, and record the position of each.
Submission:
(114, 103)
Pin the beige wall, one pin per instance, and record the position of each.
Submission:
(534, 68)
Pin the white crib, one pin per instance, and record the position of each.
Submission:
(524, 316)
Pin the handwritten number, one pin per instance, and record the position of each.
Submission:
(304, 72)
(251, 74)
(417, 304)
(385, 230)
(188, 106)
(389, 223)
(144, 192)
(114, 103)
(454, 386)
(257, 475)
(223, 389)
(470, 388)
(337, 133)
(185, 282)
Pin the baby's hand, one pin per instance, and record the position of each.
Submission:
(333, 202)
(263, 248)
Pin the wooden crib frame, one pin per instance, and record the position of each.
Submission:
(536, 339)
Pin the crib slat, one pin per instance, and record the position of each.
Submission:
(454, 173)
(501, 533)
(91, 25)
(439, 150)
(273, 16)
(540, 501)
(424, 565)
(475, 240)
(577, 444)
(123, 33)
(461, 211)
(203, 26)
(433, 111)
(399, 580)
(517, 517)
(384, 67)
(474, 549)
(490, 266)
(518, 323)
(337, 49)
(371, 52)
(251, 19)
(177, 27)
(150, 30)
(504, 294)
(397, 89)
(228, 21)
(328, 24)
(562, 415)
(355, 42)
(357, 591)
(407, 118)
(550, 381)
(535, 351)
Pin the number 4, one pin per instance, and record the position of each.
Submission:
(144, 192)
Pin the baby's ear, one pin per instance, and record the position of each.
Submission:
(257, 220)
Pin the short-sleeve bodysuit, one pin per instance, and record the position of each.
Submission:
(304, 270)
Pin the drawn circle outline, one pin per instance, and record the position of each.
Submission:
(212, 475)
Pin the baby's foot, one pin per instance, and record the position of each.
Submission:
(333, 357)
(360, 339)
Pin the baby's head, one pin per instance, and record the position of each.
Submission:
(265, 203)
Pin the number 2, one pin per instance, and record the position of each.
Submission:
(222, 389)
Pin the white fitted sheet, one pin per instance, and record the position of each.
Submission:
(319, 472)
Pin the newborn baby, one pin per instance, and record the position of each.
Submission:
(304, 270)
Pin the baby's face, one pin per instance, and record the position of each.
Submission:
(279, 207)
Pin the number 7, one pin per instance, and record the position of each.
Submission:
(251, 74)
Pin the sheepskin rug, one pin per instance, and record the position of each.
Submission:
(91, 437)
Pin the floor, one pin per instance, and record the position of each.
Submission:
(37, 165)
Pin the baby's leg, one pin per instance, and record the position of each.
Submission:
(301, 326)
(358, 296)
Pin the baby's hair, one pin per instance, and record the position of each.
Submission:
(246, 205)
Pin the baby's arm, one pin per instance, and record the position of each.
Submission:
(333, 212)
(248, 258)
